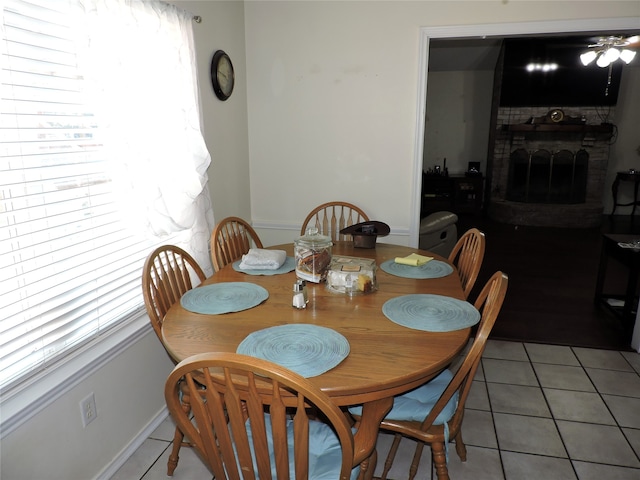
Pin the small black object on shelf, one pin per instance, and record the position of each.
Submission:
(473, 170)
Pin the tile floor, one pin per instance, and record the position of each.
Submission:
(535, 412)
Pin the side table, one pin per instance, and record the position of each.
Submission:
(626, 177)
(630, 258)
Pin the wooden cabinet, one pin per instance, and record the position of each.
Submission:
(455, 193)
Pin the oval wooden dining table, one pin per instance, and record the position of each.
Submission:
(384, 360)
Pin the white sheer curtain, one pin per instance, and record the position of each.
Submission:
(137, 77)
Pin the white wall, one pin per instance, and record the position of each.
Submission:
(224, 123)
(457, 122)
(128, 389)
(333, 100)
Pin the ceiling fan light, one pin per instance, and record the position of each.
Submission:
(603, 61)
(627, 55)
(612, 54)
(587, 57)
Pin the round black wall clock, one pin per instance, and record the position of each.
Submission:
(222, 76)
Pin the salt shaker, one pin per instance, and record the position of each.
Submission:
(298, 296)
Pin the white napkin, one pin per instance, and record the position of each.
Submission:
(262, 259)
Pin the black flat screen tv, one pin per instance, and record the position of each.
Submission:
(571, 84)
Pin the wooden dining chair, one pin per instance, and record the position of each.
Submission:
(253, 420)
(329, 218)
(433, 413)
(167, 274)
(231, 238)
(467, 255)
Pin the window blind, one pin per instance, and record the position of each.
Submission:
(70, 265)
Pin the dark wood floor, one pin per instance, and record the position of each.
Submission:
(552, 276)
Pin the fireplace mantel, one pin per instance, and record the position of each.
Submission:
(558, 128)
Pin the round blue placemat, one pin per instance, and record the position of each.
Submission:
(289, 265)
(431, 269)
(224, 297)
(308, 350)
(431, 313)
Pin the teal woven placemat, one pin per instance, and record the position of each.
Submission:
(224, 297)
(431, 313)
(308, 350)
(431, 269)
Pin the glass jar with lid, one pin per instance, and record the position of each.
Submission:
(313, 256)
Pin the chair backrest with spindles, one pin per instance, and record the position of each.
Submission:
(168, 273)
(329, 218)
(253, 419)
(230, 239)
(467, 255)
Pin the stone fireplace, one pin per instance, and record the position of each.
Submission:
(546, 174)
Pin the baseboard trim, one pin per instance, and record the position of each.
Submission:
(110, 470)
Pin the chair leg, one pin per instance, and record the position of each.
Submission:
(390, 456)
(368, 467)
(461, 448)
(416, 460)
(178, 436)
(174, 457)
(440, 460)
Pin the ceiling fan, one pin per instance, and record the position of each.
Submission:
(607, 50)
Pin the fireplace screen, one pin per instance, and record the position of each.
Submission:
(545, 177)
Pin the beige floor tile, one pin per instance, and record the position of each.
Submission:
(597, 443)
(634, 360)
(503, 350)
(593, 471)
(477, 429)
(633, 436)
(563, 377)
(522, 466)
(165, 430)
(626, 410)
(626, 384)
(606, 359)
(481, 464)
(138, 464)
(479, 373)
(534, 435)
(508, 371)
(518, 399)
(478, 398)
(578, 406)
(190, 467)
(555, 354)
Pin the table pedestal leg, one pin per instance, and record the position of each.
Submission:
(368, 428)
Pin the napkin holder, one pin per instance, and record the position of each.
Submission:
(364, 234)
(352, 275)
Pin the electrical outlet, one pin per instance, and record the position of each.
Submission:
(88, 409)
